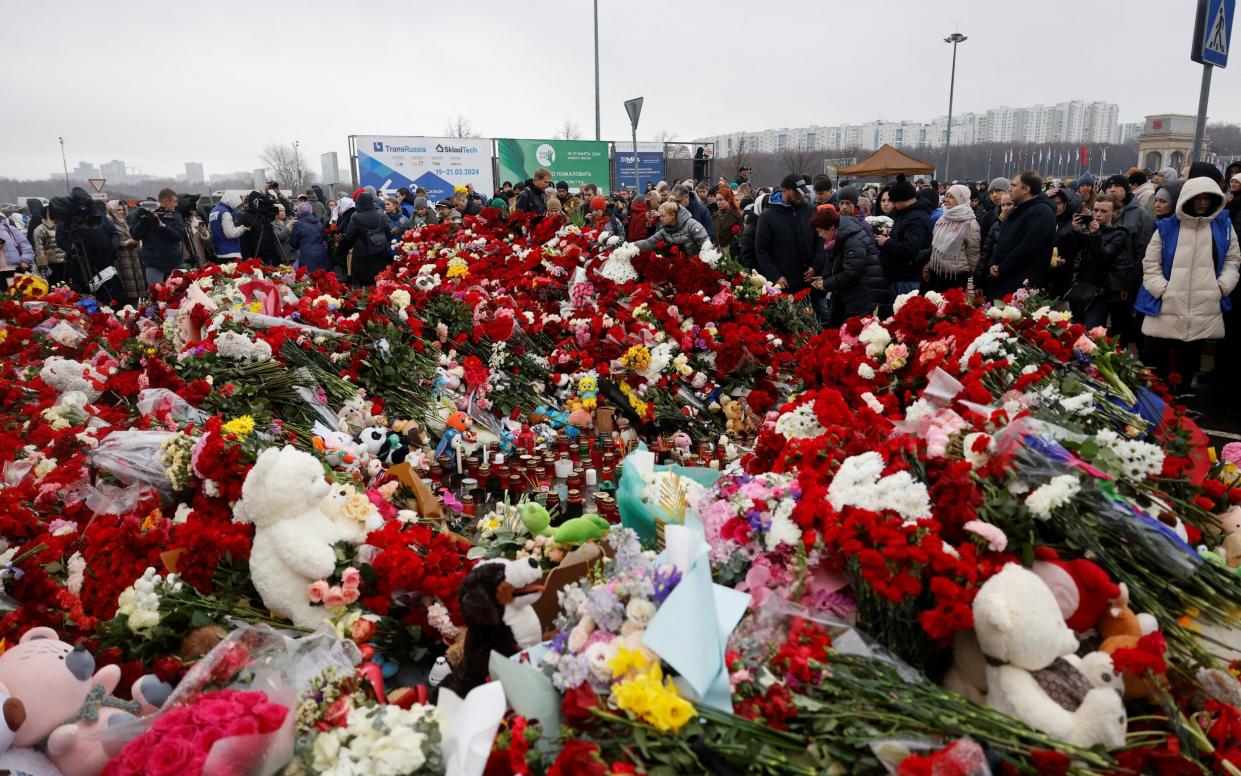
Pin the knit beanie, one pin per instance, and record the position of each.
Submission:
(420, 202)
(999, 184)
(902, 190)
(848, 194)
(960, 193)
(1206, 170)
(598, 203)
(304, 209)
(1170, 192)
(498, 203)
(1169, 174)
(1116, 180)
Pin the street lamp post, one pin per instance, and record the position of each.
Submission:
(597, 131)
(954, 39)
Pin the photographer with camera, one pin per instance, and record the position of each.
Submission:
(90, 242)
(18, 252)
(260, 240)
(161, 232)
(273, 192)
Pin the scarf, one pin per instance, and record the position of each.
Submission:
(948, 239)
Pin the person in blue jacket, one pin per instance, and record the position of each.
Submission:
(307, 240)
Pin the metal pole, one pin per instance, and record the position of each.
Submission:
(954, 39)
(1195, 153)
(597, 130)
(64, 163)
(637, 180)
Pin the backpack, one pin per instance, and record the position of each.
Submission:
(376, 241)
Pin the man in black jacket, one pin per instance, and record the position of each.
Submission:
(533, 198)
(906, 248)
(784, 241)
(161, 233)
(367, 235)
(1022, 252)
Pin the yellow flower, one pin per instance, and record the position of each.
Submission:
(30, 285)
(637, 358)
(4, 335)
(457, 271)
(652, 701)
(626, 660)
(669, 711)
(242, 426)
(255, 307)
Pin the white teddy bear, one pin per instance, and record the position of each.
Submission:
(1032, 673)
(293, 537)
(66, 375)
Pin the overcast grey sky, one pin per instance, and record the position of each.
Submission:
(159, 85)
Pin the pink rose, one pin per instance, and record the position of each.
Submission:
(172, 757)
(334, 597)
(351, 577)
(270, 716)
(1085, 345)
(317, 591)
(350, 594)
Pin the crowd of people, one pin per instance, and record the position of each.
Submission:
(1153, 255)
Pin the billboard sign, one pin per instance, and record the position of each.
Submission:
(437, 164)
(650, 164)
(573, 161)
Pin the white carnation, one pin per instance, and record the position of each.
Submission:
(800, 423)
(1049, 497)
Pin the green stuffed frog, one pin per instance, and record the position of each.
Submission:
(579, 530)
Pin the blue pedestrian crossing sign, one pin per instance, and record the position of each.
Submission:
(1213, 31)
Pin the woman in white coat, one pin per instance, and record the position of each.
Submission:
(1190, 267)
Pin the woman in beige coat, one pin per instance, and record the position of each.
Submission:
(956, 243)
(1186, 282)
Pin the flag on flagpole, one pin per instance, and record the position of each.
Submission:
(1084, 156)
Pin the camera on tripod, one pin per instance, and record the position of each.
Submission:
(262, 205)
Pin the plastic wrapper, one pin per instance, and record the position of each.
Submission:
(133, 456)
(963, 757)
(254, 658)
(1040, 457)
(644, 515)
(159, 400)
(105, 499)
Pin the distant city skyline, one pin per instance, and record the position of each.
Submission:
(1074, 121)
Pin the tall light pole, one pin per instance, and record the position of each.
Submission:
(597, 131)
(954, 39)
(64, 162)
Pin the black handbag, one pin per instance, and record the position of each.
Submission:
(1082, 294)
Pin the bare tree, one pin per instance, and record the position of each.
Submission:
(796, 159)
(288, 166)
(568, 131)
(460, 127)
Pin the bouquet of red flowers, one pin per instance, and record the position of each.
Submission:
(184, 739)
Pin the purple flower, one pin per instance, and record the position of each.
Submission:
(666, 579)
(560, 642)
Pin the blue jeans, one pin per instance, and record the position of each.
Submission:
(904, 287)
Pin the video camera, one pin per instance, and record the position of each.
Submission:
(261, 205)
(75, 213)
(187, 204)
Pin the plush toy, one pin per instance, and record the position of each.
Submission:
(458, 426)
(495, 599)
(1082, 589)
(967, 676)
(581, 423)
(1031, 673)
(580, 530)
(334, 446)
(293, 537)
(12, 715)
(355, 416)
(1230, 545)
(535, 517)
(736, 420)
(588, 392)
(351, 513)
(62, 699)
